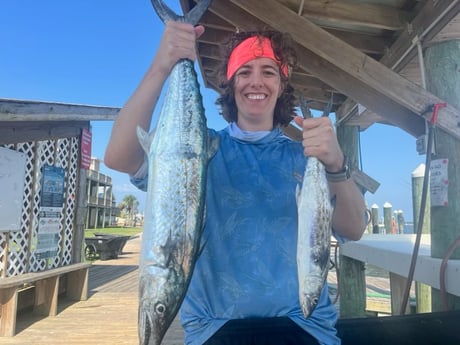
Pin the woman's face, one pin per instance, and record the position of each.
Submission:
(257, 88)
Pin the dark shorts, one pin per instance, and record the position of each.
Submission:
(266, 331)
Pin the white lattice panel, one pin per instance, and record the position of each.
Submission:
(62, 153)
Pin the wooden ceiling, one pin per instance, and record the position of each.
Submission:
(362, 53)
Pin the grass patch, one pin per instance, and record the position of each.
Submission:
(113, 231)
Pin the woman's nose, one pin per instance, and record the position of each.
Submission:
(257, 79)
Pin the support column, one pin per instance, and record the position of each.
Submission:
(352, 279)
(443, 79)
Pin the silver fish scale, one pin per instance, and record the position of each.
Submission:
(314, 234)
(178, 155)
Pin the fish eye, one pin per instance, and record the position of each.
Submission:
(160, 308)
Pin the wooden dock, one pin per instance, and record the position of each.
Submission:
(109, 316)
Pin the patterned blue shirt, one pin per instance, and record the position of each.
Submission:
(248, 265)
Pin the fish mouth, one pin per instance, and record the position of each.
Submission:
(311, 305)
(151, 329)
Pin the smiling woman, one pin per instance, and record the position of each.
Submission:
(244, 50)
(250, 198)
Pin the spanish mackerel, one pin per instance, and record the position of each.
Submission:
(314, 232)
(178, 154)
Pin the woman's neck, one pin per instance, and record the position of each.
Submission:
(255, 126)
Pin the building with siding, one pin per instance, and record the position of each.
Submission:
(102, 209)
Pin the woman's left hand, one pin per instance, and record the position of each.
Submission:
(320, 141)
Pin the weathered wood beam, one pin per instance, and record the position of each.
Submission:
(368, 15)
(377, 87)
(238, 18)
(429, 21)
(216, 22)
(25, 131)
(235, 15)
(369, 44)
(213, 37)
(389, 110)
(209, 51)
(24, 110)
(427, 24)
(306, 80)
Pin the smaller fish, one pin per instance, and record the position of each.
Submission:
(314, 231)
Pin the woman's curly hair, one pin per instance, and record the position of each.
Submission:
(283, 48)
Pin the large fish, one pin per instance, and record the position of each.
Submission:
(314, 232)
(178, 154)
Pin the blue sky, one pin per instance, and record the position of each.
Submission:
(96, 51)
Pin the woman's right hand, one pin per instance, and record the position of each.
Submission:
(123, 152)
(178, 42)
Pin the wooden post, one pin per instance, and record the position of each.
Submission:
(387, 211)
(422, 291)
(443, 80)
(375, 219)
(397, 286)
(8, 311)
(78, 254)
(352, 280)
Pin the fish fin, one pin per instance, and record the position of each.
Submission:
(197, 12)
(166, 14)
(328, 108)
(163, 11)
(213, 146)
(305, 109)
(145, 139)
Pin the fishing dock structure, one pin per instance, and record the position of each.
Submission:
(110, 314)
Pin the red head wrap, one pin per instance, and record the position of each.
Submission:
(252, 48)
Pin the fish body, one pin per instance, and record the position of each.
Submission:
(314, 228)
(314, 234)
(178, 154)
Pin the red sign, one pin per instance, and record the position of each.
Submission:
(85, 148)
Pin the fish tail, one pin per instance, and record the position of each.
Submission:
(192, 17)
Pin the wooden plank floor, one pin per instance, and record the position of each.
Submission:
(109, 316)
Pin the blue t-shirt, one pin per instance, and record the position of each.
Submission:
(248, 265)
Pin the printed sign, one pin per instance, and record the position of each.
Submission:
(86, 138)
(51, 204)
(439, 182)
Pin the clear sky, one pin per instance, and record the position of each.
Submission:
(96, 51)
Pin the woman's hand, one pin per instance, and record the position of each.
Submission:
(320, 141)
(178, 42)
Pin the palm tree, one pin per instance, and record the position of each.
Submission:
(129, 204)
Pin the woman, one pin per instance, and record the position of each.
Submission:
(244, 288)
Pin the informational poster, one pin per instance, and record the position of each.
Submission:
(439, 182)
(86, 138)
(12, 175)
(51, 204)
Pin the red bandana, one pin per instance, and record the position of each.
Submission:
(252, 48)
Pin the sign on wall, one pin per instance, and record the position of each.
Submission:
(86, 138)
(12, 174)
(51, 203)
